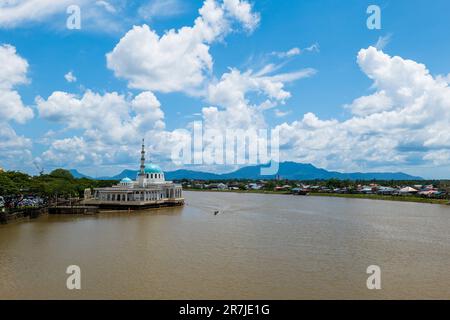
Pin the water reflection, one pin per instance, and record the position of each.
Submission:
(258, 247)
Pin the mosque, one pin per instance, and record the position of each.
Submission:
(149, 190)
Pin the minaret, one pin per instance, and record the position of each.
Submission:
(141, 176)
(141, 173)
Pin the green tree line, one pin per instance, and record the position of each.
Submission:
(59, 182)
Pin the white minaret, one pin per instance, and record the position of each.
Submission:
(142, 168)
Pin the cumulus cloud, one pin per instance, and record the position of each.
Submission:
(14, 149)
(231, 95)
(13, 73)
(110, 117)
(404, 122)
(110, 124)
(179, 60)
(14, 68)
(233, 87)
(242, 11)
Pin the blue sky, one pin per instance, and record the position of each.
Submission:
(355, 108)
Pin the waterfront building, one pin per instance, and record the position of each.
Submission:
(149, 189)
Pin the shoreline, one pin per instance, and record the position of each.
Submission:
(340, 195)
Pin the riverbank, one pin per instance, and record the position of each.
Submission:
(339, 195)
(18, 215)
(383, 197)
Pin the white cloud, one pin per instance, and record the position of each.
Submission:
(404, 122)
(313, 48)
(70, 77)
(13, 73)
(19, 12)
(383, 41)
(179, 60)
(293, 52)
(111, 126)
(288, 54)
(161, 8)
(99, 16)
(109, 117)
(234, 101)
(242, 11)
(280, 114)
(14, 149)
(232, 88)
(296, 51)
(106, 5)
(366, 105)
(14, 68)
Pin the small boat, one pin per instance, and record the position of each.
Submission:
(216, 213)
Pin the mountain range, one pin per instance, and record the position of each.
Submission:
(287, 170)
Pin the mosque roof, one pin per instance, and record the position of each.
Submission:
(152, 168)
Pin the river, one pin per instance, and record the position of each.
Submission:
(257, 247)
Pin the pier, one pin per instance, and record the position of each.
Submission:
(133, 205)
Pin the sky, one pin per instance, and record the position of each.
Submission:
(341, 96)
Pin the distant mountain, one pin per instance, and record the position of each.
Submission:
(192, 175)
(300, 171)
(287, 170)
(78, 175)
(124, 174)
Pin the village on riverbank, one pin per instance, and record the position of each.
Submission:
(433, 191)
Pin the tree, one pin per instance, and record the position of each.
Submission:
(61, 173)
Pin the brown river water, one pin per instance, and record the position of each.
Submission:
(257, 247)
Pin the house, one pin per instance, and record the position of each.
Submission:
(254, 186)
(407, 191)
(300, 191)
(386, 190)
(366, 190)
(283, 188)
(218, 186)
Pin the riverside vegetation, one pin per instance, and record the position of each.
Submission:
(58, 183)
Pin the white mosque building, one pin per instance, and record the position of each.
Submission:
(150, 189)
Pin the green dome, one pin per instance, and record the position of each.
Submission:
(152, 168)
(126, 180)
